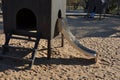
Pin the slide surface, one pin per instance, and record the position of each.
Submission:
(62, 25)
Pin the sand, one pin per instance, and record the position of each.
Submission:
(66, 62)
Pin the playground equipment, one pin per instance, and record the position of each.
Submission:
(62, 26)
(40, 19)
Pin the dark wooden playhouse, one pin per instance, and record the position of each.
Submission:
(32, 18)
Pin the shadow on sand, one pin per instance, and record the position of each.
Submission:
(82, 27)
(6, 64)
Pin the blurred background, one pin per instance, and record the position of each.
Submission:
(112, 6)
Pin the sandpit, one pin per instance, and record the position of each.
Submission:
(66, 62)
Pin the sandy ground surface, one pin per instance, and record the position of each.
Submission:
(67, 63)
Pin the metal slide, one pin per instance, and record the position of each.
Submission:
(62, 25)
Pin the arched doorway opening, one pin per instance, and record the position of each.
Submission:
(26, 19)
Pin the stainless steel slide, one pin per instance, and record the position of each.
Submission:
(62, 25)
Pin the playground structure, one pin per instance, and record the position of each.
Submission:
(39, 22)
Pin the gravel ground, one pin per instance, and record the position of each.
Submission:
(67, 63)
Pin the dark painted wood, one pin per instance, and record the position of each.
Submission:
(32, 18)
(41, 9)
